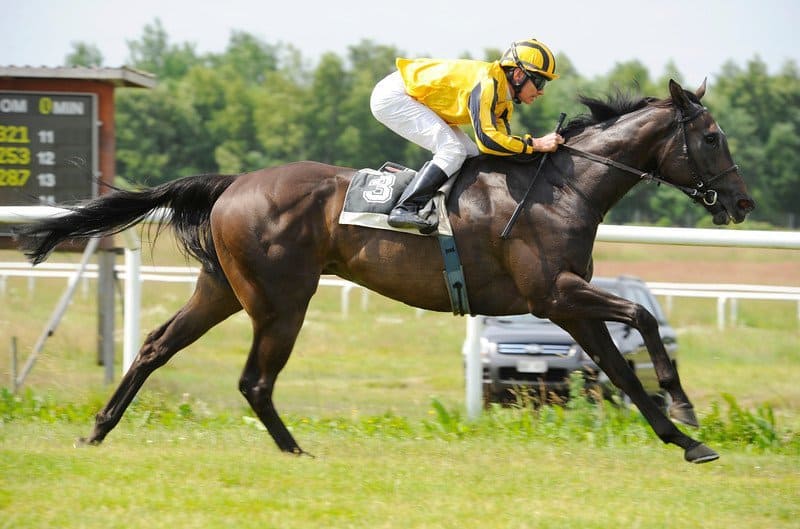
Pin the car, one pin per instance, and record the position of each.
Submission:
(526, 355)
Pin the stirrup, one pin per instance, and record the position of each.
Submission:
(402, 217)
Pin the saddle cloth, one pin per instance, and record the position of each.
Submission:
(372, 194)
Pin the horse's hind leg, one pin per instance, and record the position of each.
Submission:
(275, 293)
(212, 302)
(583, 300)
(593, 336)
(273, 339)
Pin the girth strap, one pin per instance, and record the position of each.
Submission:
(454, 275)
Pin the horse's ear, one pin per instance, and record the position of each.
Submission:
(701, 91)
(679, 98)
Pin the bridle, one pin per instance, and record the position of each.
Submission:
(700, 191)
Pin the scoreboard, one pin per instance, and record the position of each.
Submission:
(48, 147)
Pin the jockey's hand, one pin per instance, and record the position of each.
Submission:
(548, 143)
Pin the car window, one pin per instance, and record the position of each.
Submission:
(641, 296)
(613, 288)
(637, 293)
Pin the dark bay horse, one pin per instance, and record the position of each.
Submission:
(264, 238)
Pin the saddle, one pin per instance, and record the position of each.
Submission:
(372, 194)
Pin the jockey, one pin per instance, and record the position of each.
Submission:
(426, 100)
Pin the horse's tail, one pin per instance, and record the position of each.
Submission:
(190, 200)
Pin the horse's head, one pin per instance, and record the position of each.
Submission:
(697, 159)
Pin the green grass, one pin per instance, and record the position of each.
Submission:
(184, 476)
(177, 465)
(377, 397)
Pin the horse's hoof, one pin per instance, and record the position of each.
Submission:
(684, 414)
(700, 453)
(299, 452)
(83, 442)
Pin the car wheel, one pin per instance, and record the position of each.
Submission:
(489, 396)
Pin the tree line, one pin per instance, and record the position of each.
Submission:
(258, 104)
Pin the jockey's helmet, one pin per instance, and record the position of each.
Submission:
(532, 56)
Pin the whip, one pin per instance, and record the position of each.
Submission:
(507, 230)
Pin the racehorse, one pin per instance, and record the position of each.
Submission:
(265, 237)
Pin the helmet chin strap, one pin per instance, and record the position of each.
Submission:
(515, 86)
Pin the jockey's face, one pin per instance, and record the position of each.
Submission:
(528, 93)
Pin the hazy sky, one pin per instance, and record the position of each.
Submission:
(698, 35)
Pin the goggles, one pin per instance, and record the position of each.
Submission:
(538, 80)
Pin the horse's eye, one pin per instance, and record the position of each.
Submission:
(711, 139)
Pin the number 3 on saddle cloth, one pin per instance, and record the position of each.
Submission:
(371, 196)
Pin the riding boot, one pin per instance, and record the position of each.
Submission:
(406, 213)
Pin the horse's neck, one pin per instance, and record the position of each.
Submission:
(635, 140)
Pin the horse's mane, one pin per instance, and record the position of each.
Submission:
(615, 105)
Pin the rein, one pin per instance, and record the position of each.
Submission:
(699, 192)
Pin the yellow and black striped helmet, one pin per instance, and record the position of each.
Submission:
(532, 56)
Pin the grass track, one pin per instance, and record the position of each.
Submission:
(233, 477)
(385, 359)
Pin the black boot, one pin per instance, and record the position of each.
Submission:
(406, 213)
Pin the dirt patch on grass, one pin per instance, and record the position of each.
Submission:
(782, 274)
(697, 264)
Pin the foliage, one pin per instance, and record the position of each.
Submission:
(258, 104)
(583, 419)
(87, 55)
(755, 430)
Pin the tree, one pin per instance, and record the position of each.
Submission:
(247, 57)
(330, 86)
(84, 54)
(632, 76)
(259, 104)
(761, 116)
(670, 72)
(279, 110)
(374, 60)
(782, 154)
(153, 53)
(157, 135)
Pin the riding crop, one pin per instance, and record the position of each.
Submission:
(507, 230)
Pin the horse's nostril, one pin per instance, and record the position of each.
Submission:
(745, 204)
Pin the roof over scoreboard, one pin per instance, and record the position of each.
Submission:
(57, 131)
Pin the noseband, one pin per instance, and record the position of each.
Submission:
(699, 191)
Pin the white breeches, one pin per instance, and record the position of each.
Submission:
(392, 106)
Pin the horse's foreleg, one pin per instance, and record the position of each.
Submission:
(594, 336)
(211, 303)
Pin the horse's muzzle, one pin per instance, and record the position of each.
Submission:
(737, 213)
(744, 206)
